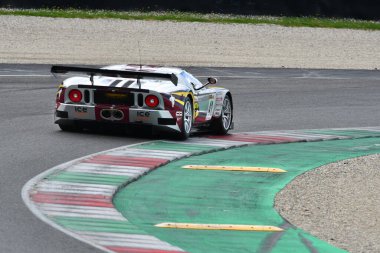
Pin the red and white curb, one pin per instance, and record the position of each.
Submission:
(76, 197)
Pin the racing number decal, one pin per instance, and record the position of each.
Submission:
(210, 109)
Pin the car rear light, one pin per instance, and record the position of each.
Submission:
(151, 101)
(75, 96)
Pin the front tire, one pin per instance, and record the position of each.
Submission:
(187, 119)
(222, 124)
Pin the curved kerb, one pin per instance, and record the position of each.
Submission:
(76, 197)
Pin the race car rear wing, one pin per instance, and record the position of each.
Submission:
(114, 73)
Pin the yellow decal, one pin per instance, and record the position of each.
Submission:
(181, 94)
(234, 168)
(258, 228)
(185, 94)
(179, 101)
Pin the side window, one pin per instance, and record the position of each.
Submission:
(185, 79)
(191, 79)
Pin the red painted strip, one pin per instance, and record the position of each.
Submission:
(126, 161)
(72, 199)
(139, 250)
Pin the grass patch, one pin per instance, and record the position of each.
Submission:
(197, 17)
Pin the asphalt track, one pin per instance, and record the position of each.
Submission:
(264, 99)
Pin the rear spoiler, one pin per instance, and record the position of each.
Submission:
(114, 73)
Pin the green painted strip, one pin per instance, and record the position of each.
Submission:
(88, 178)
(348, 133)
(97, 225)
(171, 194)
(183, 147)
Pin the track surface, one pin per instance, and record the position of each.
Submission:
(264, 99)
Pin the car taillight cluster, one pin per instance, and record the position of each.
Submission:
(75, 96)
(152, 101)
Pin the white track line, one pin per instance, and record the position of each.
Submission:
(26, 76)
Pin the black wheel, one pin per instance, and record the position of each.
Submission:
(187, 119)
(222, 124)
(69, 127)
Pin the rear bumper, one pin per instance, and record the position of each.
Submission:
(87, 114)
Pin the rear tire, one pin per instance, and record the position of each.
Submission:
(187, 119)
(222, 124)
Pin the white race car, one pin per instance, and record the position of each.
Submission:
(161, 97)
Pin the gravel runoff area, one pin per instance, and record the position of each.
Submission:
(108, 41)
(339, 203)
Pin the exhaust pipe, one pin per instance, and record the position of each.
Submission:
(112, 114)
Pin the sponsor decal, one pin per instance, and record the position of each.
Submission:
(217, 113)
(80, 109)
(179, 114)
(142, 115)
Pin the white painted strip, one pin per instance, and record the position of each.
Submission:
(116, 167)
(157, 246)
(321, 77)
(299, 133)
(116, 239)
(373, 129)
(131, 173)
(274, 77)
(81, 191)
(25, 75)
(79, 209)
(290, 135)
(215, 142)
(68, 185)
(154, 151)
(148, 154)
(83, 215)
(111, 240)
(63, 187)
(118, 236)
(96, 169)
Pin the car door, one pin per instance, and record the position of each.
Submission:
(205, 100)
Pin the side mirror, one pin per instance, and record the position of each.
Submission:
(210, 80)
